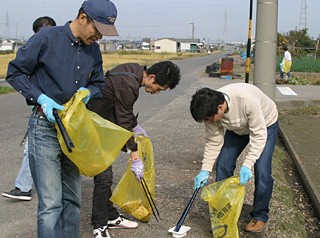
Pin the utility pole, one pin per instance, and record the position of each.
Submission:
(225, 28)
(317, 46)
(266, 46)
(7, 34)
(192, 24)
(16, 31)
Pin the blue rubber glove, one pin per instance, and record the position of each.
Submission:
(201, 179)
(86, 99)
(245, 175)
(47, 104)
(138, 130)
(137, 168)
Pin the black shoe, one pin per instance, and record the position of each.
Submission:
(18, 195)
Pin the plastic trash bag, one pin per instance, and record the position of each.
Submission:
(287, 66)
(129, 194)
(225, 200)
(97, 142)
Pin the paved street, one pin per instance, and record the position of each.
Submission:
(166, 118)
(178, 146)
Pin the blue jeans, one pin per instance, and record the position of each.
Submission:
(57, 181)
(226, 163)
(24, 180)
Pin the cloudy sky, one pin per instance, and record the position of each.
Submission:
(213, 20)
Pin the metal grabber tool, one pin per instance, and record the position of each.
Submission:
(150, 199)
(179, 230)
(63, 131)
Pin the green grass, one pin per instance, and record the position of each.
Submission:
(289, 219)
(304, 64)
(4, 90)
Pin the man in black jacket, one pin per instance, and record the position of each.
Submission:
(121, 91)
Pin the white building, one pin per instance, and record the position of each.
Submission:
(177, 45)
(165, 45)
(145, 45)
(7, 45)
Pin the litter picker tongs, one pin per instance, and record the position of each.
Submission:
(150, 199)
(63, 131)
(186, 210)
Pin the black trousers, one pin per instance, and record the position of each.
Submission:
(102, 208)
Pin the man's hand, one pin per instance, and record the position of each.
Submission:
(47, 104)
(137, 168)
(245, 175)
(201, 179)
(138, 130)
(86, 99)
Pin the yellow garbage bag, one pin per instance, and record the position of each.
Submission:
(225, 200)
(287, 66)
(97, 142)
(129, 194)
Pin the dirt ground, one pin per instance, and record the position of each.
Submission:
(308, 131)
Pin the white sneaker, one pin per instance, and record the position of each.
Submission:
(101, 232)
(122, 222)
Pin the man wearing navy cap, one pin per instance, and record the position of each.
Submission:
(53, 65)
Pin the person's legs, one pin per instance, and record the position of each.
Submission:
(71, 198)
(23, 183)
(263, 177)
(24, 180)
(231, 149)
(104, 214)
(102, 208)
(45, 164)
(281, 74)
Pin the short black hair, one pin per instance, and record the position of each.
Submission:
(166, 72)
(41, 22)
(205, 103)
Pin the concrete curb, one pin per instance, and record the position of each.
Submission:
(305, 178)
(296, 103)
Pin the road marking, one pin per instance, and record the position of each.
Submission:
(286, 91)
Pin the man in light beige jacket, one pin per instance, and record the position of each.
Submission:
(235, 116)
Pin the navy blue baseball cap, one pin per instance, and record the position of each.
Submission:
(104, 14)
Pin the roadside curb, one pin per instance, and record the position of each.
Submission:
(296, 103)
(305, 178)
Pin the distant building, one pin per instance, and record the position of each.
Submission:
(7, 45)
(146, 44)
(108, 46)
(177, 45)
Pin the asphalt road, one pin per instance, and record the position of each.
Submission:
(178, 145)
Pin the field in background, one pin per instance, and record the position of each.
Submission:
(111, 60)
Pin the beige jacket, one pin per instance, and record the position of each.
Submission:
(250, 113)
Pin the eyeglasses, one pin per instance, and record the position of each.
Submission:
(96, 32)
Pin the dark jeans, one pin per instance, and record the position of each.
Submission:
(226, 163)
(282, 74)
(102, 208)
